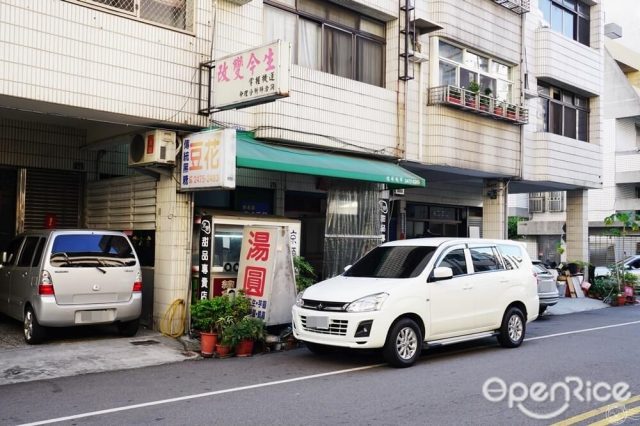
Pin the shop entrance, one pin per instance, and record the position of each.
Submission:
(8, 186)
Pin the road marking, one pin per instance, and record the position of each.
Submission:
(200, 395)
(617, 419)
(582, 331)
(580, 417)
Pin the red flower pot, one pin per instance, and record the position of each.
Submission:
(208, 341)
(622, 300)
(244, 348)
(223, 351)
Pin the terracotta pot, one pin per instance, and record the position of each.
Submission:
(223, 351)
(622, 300)
(244, 348)
(208, 341)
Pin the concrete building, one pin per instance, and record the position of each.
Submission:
(479, 98)
(620, 159)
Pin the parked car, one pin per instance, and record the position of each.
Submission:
(60, 278)
(630, 264)
(547, 288)
(407, 294)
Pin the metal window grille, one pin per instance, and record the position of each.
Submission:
(536, 202)
(172, 13)
(555, 202)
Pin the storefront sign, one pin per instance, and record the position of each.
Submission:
(205, 256)
(209, 160)
(252, 77)
(266, 273)
(383, 210)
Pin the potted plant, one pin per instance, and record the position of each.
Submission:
(454, 95)
(485, 101)
(204, 317)
(498, 109)
(511, 112)
(244, 333)
(472, 94)
(224, 324)
(305, 275)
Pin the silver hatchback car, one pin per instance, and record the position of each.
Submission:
(61, 278)
(547, 288)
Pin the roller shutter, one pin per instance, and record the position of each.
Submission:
(53, 193)
(126, 203)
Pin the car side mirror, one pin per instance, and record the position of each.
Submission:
(442, 273)
(346, 268)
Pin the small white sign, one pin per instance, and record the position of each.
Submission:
(209, 160)
(252, 77)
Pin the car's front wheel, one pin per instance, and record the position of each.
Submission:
(404, 343)
(513, 328)
(33, 331)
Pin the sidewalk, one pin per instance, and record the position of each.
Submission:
(570, 305)
(70, 357)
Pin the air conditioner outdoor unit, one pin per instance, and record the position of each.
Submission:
(155, 147)
(417, 55)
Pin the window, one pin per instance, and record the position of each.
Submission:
(569, 17)
(459, 67)
(329, 38)
(12, 251)
(564, 113)
(485, 259)
(456, 261)
(83, 250)
(392, 262)
(172, 13)
(27, 251)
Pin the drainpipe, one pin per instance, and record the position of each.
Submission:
(420, 110)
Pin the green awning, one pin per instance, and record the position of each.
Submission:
(253, 154)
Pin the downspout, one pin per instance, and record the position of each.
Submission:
(420, 111)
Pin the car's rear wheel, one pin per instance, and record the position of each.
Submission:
(33, 331)
(129, 328)
(513, 328)
(404, 343)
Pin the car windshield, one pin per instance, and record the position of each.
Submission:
(82, 250)
(392, 262)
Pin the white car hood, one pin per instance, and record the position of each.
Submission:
(348, 289)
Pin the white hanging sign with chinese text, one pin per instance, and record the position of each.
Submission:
(252, 77)
(209, 160)
(266, 273)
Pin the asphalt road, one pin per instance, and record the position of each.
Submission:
(296, 387)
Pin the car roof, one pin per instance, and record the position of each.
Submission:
(437, 241)
(46, 232)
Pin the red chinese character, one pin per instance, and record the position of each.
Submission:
(259, 249)
(253, 63)
(196, 156)
(254, 280)
(268, 58)
(237, 67)
(222, 72)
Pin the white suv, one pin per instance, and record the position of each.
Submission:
(433, 290)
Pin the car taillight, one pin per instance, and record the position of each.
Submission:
(137, 284)
(45, 288)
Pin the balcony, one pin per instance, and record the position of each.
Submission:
(479, 104)
(627, 170)
(516, 6)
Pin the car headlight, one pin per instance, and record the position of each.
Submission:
(299, 301)
(368, 303)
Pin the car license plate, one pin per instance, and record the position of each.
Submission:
(318, 322)
(90, 317)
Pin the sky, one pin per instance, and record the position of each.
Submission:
(625, 13)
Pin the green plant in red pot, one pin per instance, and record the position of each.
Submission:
(245, 333)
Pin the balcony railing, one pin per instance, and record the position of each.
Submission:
(536, 205)
(516, 6)
(480, 104)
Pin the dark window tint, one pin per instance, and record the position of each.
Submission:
(456, 261)
(38, 255)
(27, 251)
(485, 259)
(392, 262)
(91, 250)
(12, 251)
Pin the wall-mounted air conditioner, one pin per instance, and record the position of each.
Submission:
(155, 147)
